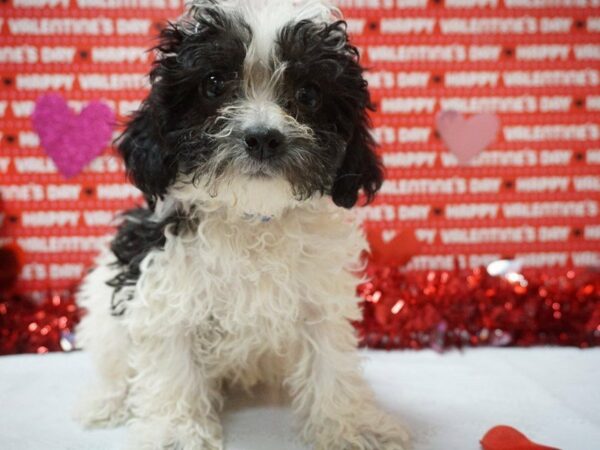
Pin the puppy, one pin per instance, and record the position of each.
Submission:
(250, 148)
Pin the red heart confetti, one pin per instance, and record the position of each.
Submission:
(503, 437)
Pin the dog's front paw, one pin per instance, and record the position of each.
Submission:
(378, 440)
(101, 408)
(384, 434)
(164, 435)
(365, 440)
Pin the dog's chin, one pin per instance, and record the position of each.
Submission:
(260, 195)
(258, 170)
(257, 195)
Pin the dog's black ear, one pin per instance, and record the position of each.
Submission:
(142, 145)
(361, 168)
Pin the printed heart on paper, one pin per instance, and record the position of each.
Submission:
(467, 138)
(507, 438)
(71, 140)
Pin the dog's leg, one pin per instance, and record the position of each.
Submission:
(103, 404)
(174, 401)
(104, 338)
(332, 399)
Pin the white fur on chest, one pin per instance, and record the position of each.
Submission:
(251, 281)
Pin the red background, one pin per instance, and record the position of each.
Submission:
(540, 72)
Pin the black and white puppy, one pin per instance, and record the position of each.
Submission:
(250, 148)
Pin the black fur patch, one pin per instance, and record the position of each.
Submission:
(320, 54)
(137, 236)
(165, 136)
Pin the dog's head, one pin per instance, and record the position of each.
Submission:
(255, 99)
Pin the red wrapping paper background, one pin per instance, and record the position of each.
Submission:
(534, 194)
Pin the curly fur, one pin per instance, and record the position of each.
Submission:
(240, 272)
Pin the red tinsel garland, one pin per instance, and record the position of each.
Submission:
(28, 326)
(401, 310)
(472, 308)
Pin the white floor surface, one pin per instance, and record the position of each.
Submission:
(449, 401)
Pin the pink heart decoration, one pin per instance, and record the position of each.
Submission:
(72, 141)
(466, 138)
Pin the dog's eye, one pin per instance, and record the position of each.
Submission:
(214, 85)
(309, 96)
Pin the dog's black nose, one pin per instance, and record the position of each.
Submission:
(264, 143)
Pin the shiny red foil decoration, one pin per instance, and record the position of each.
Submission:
(440, 310)
(30, 325)
(412, 310)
